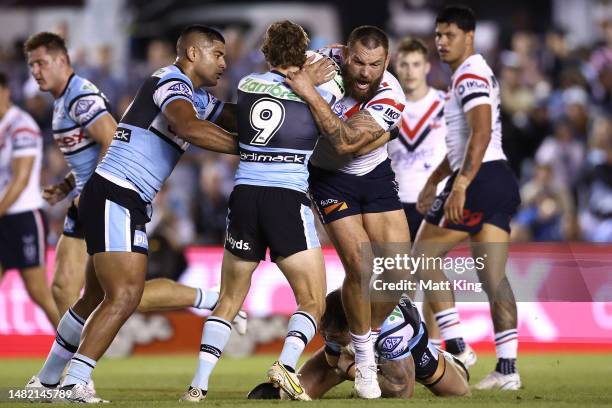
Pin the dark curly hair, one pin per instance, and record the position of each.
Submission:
(285, 44)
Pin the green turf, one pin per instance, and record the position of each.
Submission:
(549, 380)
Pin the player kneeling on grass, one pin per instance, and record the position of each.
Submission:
(405, 355)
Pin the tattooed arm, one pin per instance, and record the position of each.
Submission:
(346, 137)
(479, 122)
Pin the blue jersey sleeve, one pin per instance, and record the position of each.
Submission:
(86, 103)
(172, 86)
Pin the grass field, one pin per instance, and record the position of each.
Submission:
(552, 380)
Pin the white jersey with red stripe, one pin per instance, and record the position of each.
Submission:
(20, 137)
(420, 146)
(472, 84)
(385, 106)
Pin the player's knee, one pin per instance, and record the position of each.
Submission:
(353, 263)
(126, 299)
(37, 291)
(67, 277)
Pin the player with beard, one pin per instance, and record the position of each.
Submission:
(356, 196)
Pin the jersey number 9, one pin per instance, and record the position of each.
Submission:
(267, 116)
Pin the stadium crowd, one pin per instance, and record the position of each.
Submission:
(557, 126)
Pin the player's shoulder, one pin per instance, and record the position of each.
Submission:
(21, 120)
(257, 78)
(473, 68)
(201, 98)
(439, 94)
(171, 73)
(79, 87)
(389, 90)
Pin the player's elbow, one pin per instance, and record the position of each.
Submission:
(344, 148)
(482, 137)
(187, 130)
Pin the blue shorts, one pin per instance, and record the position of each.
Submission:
(491, 198)
(414, 218)
(113, 217)
(261, 217)
(72, 224)
(337, 195)
(22, 240)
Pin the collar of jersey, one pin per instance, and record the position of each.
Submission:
(273, 71)
(67, 84)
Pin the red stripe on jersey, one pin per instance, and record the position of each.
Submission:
(384, 84)
(352, 111)
(411, 133)
(473, 76)
(388, 101)
(25, 130)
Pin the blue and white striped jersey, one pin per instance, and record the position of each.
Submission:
(79, 106)
(145, 148)
(276, 131)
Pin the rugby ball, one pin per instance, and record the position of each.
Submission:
(335, 86)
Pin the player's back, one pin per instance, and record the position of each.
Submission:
(145, 149)
(276, 131)
(80, 105)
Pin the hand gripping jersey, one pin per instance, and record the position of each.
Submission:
(20, 137)
(385, 107)
(472, 84)
(420, 146)
(276, 131)
(79, 106)
(145, 149)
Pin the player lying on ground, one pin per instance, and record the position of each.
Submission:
(402, 343)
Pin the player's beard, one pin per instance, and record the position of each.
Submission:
(349, 85)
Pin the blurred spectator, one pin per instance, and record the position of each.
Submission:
(166, 253)
(555, 98)
(595, 186)
(601, 62)
(102, 75)
(563, 153)
(210, 204)
(547, 210)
